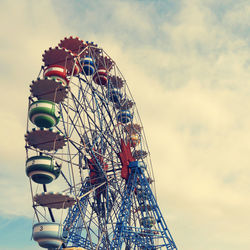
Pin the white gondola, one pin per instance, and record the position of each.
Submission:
(49, 234)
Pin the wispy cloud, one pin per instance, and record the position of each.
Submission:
(188, 70)
(17, 228)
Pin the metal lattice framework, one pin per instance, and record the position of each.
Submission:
(87, 155)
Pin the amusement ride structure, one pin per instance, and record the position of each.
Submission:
(87, 159)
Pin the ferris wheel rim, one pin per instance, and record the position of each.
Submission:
(96, 142)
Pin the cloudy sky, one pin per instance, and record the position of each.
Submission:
(187, 63)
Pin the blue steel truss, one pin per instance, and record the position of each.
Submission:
(74, 220)
(148, 231)
(144, 236)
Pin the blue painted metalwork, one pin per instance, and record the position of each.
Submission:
(140, 237)
(73, 222)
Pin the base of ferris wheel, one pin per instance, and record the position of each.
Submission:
(151, 233)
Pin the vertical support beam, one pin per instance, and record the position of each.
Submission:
(143, 236)
(118, 238)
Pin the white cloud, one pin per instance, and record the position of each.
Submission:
(131, 16)
(29, 28)
(197, 127)
(191, 86)
(238, 18)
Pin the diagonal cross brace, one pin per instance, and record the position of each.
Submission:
(123, 232)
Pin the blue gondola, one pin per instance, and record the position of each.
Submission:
(114, 95)
(124, 116)
(88, 65)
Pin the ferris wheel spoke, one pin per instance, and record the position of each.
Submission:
(42, 215)
(95, 125)
(65, 178)
(108, 114)
(72, 123)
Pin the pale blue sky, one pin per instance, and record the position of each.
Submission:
(187, 65)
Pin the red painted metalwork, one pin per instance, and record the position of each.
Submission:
(95, 173)
(126, 157)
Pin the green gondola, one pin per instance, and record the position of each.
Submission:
(42, 169)
(43, 114)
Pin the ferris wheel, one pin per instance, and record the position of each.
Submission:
(87, 158)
